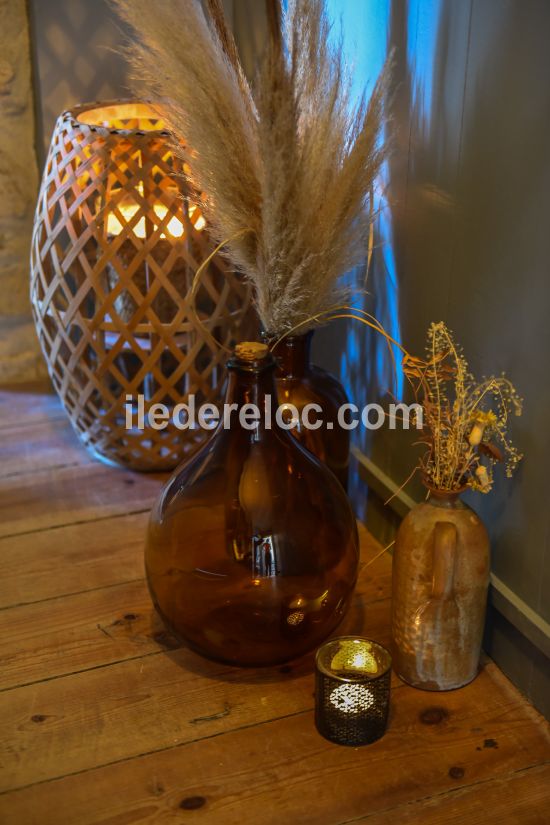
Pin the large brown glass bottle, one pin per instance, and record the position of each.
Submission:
(300, 383)
(252, 550)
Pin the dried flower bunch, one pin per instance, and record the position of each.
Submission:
(287, 166)
(465, 422)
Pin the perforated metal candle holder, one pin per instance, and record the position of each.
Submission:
(352, 690)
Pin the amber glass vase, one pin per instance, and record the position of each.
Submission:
(252, 550)
(440, 581)
(300, 383)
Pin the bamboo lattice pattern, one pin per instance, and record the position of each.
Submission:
(118, 238)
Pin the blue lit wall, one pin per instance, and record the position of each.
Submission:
(366, 367)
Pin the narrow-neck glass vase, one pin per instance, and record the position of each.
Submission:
(252, 551)
(300, 383)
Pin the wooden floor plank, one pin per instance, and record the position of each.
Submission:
(65, 635)
(46, 445)
(144, 704)
(28, 404)
(74, 633)
(71, 559)
(54, 638)
(283, 771)
(116, 725)
(51, 498)
(521, 798)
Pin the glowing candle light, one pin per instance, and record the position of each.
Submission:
(122, 213)
(351, 698)
(352, 690)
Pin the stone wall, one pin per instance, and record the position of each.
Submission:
(20, 357)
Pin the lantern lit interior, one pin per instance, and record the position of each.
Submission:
(154, 205)
(129, 116)
(351, 698)
(351, 659)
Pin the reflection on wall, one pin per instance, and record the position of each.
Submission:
(366, 367)
(78, 55)
(78, 58)
(420, 43)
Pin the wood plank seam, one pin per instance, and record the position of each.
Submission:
(113, 584)
(461, 790)
(72, 593)
(239, 728)
(157, 750)
(56, 417)
(58, 421)
(102, 666)
(23, 473)
(129, 658)
(128, 512)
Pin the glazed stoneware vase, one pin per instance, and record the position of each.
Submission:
(300, 383)
(252, 551)
(440, 581)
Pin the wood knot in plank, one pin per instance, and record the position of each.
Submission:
(433, 716)
(192, 803)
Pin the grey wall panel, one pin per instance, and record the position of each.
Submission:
(471, 229)
(473, 236)
(499, 288)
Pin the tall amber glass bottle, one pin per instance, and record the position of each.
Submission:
(300, 383)
(252, 551)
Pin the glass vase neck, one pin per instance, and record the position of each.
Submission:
(293, 354)
(250, 381)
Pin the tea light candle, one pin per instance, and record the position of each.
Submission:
(352, 690)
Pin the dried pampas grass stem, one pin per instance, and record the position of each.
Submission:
(291, 160)
(196, 284)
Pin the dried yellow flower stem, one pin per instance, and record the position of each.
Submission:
(460, 434)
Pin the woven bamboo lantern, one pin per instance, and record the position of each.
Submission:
(118, 238)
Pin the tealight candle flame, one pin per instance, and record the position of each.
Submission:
(175, 227)
(351, 698)
(354, 656)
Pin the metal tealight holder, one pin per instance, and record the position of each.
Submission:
(352, 690)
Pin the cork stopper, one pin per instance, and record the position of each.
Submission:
(251, 351)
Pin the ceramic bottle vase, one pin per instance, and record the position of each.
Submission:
(440, 581)
(252, 550)
(300, 383)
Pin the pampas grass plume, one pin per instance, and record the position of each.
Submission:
(286, 167)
